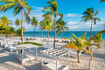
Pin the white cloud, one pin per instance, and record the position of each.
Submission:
(35, 7)
(72, 15)
(78, 26)
(71, 23)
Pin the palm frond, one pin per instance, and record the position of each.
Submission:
(34, 21)
(96, 19)
(83, 36)
(96, 12)
(17, 22)
(102, 31)
(27, 17)
(17, 10)
(102, 0)
(74, 36)
(66, 28)
(69, 39)
(58, 31)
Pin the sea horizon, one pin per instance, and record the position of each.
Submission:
(67, 34)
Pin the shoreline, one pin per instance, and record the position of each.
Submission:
(39, 38)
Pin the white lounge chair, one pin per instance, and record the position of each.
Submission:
(52, 66)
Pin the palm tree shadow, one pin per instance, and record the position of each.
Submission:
(2, 50)
(9, 58)
(79, 69)
(36, 66)
(96, 55)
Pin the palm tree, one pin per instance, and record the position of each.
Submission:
(11, 30)
(42, 27)
(2, 1)
(102, 0)
(61, 25)
(97, 39)
(19, 6)
(34, 23)
(90, 15)
(48, 21)
(78, 44)
(17, 22)
(19, 31)
(5, 22)
(52, 9)
(103, 31)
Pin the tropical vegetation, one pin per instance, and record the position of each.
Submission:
(81, 43)
(50, 22)
(33, 43)
(19, 6)
(61, 25)
(78, 44)
(34, 22)
(42, 27)
(52, 8)
(90, 15)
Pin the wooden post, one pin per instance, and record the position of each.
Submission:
(16, 51)
(22, 54)
(68, 59)
(56, 64)
(42, 61)
(36, 52)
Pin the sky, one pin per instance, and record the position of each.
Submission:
(71, 9)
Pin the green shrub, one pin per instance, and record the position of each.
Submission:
(37, 44)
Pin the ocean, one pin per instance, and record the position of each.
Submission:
(67, 34)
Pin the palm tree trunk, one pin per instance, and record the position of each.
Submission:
(34, 32)
(6, 30)
(91, 34)
(42, 36)
(48, 35)
(91, 47)
(22, 27)
(91, 29)
(62, 36)
(54, 30)
(78, 56)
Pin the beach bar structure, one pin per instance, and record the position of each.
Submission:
(26, 52)
(54, 54)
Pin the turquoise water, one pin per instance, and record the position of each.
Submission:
(65, 35)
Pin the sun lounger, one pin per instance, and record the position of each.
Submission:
(12, 48)
(52, 66)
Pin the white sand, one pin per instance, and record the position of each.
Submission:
(8, 61)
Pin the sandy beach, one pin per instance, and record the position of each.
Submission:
(8, 61)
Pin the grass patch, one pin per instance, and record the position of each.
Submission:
(33, 43)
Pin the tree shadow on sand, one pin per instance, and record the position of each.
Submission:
(36, 66)
(97, 55)
(9, 61)
(79, 69)
(10, 57)
(2, 50)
